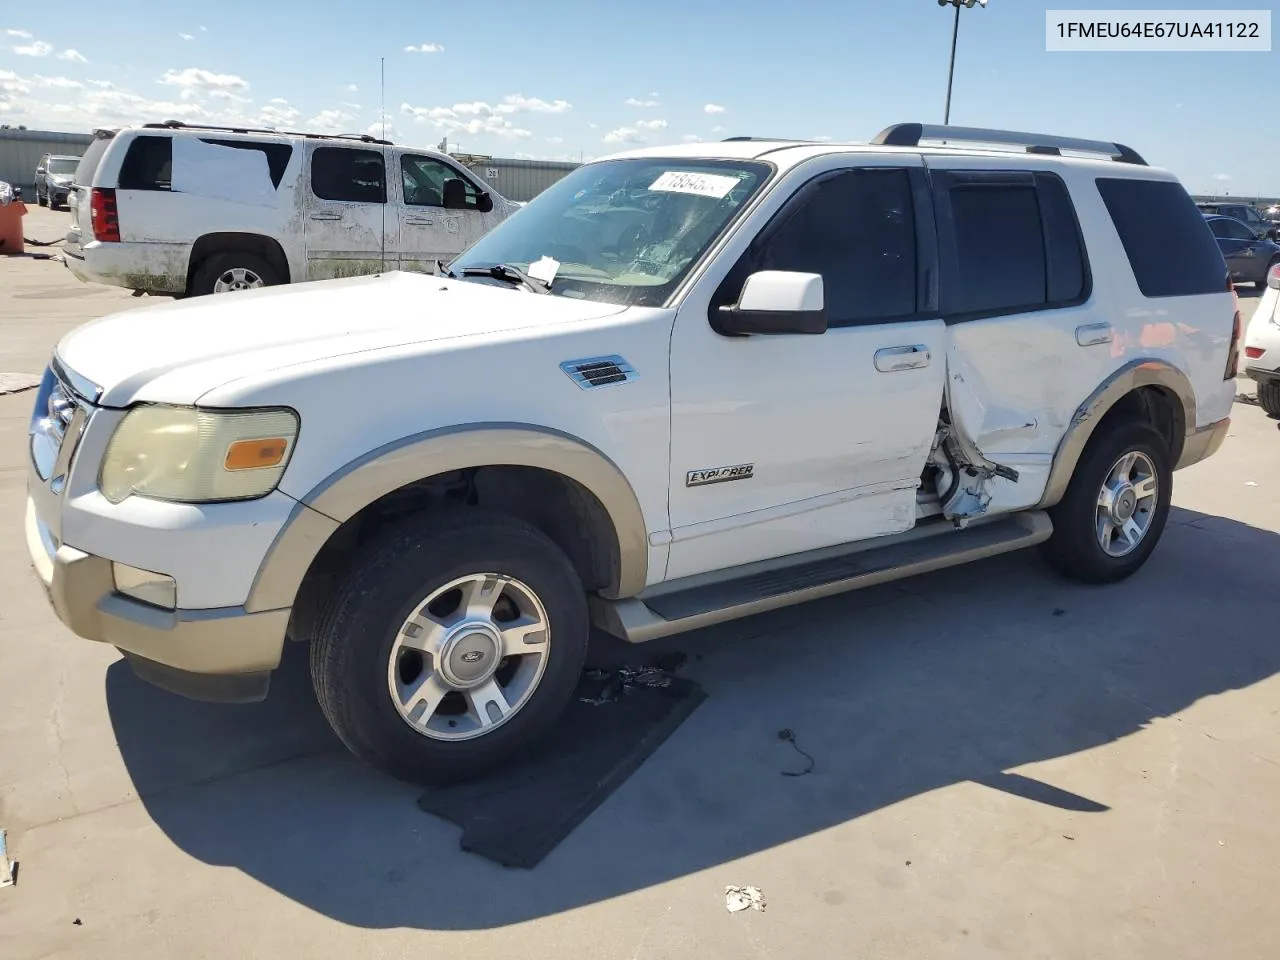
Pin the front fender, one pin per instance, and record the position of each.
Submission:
(352, 487)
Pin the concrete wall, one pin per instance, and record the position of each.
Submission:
(21, 150)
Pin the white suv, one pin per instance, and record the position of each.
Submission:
(683, 385)
(1262, 345)
(183, 210)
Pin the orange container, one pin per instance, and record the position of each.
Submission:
(11, 215)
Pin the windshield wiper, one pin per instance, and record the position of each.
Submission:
(505, 271)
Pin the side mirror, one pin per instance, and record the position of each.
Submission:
(484, 202)
(776, 302)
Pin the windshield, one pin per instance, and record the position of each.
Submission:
(63, 165)
(621, 231)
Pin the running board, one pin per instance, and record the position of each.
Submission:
(764, 587)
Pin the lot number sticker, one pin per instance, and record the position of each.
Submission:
(702, 184)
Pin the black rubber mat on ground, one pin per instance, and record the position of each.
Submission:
(518, 815)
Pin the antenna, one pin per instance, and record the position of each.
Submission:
(382, 110)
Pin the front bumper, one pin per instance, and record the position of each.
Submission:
(224, 654)
(1203, 443)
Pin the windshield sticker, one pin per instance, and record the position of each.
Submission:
(702, 184)
(544, 269)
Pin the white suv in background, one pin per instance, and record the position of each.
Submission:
(684, 385)
(188, 210)
(1262, 345)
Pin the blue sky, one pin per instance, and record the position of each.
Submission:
(569, 79)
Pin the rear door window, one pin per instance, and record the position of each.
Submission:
(347, 175)
(1171, 251)
(278, 154)
(1009, 242)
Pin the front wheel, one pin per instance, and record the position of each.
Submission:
(1115, 507)
(1262, 284)
(454, 643)
(41, 201)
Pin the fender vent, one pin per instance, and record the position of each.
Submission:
(599, 371)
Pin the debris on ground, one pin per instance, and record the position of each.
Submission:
(8, 868)
(1058, 612)
(76, 922)
(737, 899)
(623, 680)
(789, 736)
(17, 382)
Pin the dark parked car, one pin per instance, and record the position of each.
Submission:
(1248, 258)
(53, 179)
(1246, 213)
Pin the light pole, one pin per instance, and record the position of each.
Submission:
(955, 34)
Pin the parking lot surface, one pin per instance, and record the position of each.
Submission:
(1006, 765)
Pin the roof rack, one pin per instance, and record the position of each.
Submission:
(180, 125)
(762, 140)
(910, 135)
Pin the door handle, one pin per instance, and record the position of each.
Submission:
(419, 222)
(1092, 334)
(893, 359)
(326, 216)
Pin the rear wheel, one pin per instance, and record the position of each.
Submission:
(230, 272)
(1115, 507)
(1269, 397)
(454, 643)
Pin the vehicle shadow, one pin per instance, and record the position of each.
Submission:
(963, 675)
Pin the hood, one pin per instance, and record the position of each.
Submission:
(59, 179)
(174, 352)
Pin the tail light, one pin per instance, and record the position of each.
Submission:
(103, 215)
(1237, 330)
(1273, 277)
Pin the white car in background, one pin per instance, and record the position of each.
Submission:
(1262, 345)
(189, 210)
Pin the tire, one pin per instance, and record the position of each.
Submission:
(359, 685)
(41, 201)
(223, 266)
(1075, 549)
(1269, 397)
(1262, 284)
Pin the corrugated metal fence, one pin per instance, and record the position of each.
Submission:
(21, 150)
(517, 179)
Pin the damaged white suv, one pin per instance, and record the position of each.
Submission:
(681, 386)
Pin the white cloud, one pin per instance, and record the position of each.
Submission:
(278, 113)
(713, 108)
(75, 56)
(351, 106)
(194, 81)
(654, 95)
(60, 83)
(823, 139)
(37, 48)
(636, 102)
(10, 82)
(651, 124)
(555, 139)
(186, 36)
(204, 29)
(20, 34)
(104, 84)
(623, 135)
(376, 130)
(593, 126)
(330, 121)
(476, 118)
(226, 95)
(425, 48)
(1222, 177)
(691, 138)
(717, 129)
(518, 103)
(352, 88)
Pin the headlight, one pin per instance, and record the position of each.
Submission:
(197, 456)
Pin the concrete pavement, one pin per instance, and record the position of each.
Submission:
(1007, 765)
